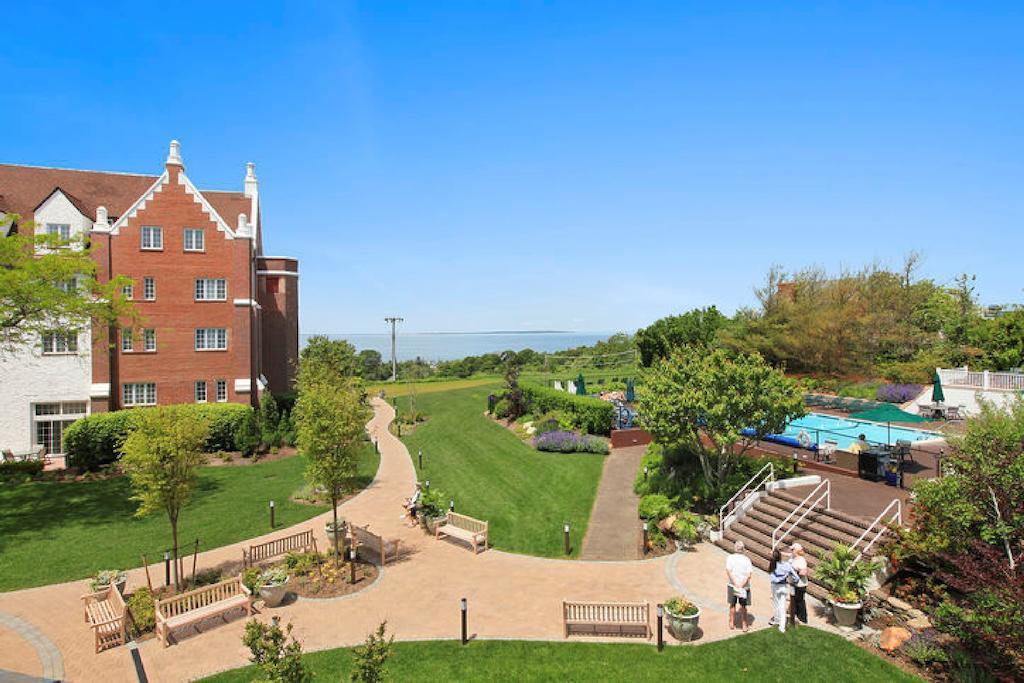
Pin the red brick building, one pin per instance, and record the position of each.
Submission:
(218, 320)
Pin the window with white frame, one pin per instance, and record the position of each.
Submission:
(61, 231)
(60, 341)
(127, 339)
(139, 394)
(68, 286)
(128, 291)
(49, 420)
(222, 390)
(194, 239)
(149, 288)
(149, 340)
(152, 237)
(211, 289)
(211, 339)
(200, 391)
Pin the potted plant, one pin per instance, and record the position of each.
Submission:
(433, 508)
(846, 580)
(273, 586)
(683, 617)
(109, 576)
(686, 530)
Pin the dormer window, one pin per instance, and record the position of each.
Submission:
(152, 237)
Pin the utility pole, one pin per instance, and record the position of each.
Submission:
(394, 362)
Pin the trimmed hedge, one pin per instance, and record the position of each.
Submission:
(591, 415)
(96, 440)
(22, 469)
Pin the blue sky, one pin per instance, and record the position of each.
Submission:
(570, 165)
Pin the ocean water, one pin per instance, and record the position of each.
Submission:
(436, 346)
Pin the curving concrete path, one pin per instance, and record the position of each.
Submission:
(510, 596)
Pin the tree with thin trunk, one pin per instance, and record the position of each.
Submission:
(330, 420)
(162, 457)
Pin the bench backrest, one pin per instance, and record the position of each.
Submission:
(278, 546)
(467, 523)
(367, 537)
(607, 612)
(199, 597)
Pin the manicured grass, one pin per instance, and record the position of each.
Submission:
(60, 531)
(806, 655)
(401, 388)
(526, 495)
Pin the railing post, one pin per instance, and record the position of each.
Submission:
(984, 379)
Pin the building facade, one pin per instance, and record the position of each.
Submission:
(217, 321)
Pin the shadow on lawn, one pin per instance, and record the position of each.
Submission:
(36, 508)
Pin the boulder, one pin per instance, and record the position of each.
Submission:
(666, 524)
(893, 637)
(919, 623)
(901, 605)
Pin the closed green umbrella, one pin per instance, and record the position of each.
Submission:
(581, 386)
(630, 391)
(937, 395)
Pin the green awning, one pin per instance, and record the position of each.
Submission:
(581, 386)
(887, 412)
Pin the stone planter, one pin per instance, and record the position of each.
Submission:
(846, 613)
(273, 593)
(430, 524)
(683, 627)
(121, 585)
(331, 533)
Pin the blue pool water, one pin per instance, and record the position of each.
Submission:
(844, 431)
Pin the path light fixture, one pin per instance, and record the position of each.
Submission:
(271, 514)
(352, 563)
(426, 484)
(464, 609)
(421, 458)
(167, 567)
(796, 462)
(645, 538)
(645, 472)
(451, 505)
(565, 532)
(661, 631)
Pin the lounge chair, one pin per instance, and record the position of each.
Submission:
(827, 452)
(954, 412)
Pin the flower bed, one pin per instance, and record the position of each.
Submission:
(561, 441)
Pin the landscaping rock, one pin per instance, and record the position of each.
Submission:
(919, 623)
(915, 614)
(901, 605)
(893, 637)
(666, 524)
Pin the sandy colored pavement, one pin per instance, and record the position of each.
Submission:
(510, 596)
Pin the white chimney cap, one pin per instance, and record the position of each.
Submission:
(174, 154)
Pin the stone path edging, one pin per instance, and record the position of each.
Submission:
(49, 655)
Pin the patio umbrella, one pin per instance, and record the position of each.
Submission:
(630, 391)
(581, 387)
(937, 395)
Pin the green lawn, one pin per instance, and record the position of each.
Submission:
(526, 495)
(402, 388)
(806, 655)
(59, 531)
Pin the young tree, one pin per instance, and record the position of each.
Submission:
(162, 457)
(330, 422)
(327, 360)
(704, 401)
(370, 658)
(279, 660)
(47, 284)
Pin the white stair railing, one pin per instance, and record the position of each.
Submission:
(881, 527)
(821, 492)
(750, 487)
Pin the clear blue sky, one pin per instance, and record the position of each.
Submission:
(573, 165)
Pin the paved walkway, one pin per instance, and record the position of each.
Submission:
(614, 529)
(510, 596)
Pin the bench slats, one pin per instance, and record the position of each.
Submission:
(278, 546)
(105, 612)
(200, 603)
(473, 531)
(602, 617)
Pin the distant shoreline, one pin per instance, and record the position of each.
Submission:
(492, 332)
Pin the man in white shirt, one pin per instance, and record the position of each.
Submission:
(738, 570)
(799, 563)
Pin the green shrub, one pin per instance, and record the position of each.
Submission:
(591, 415)
(17, 471)
(96, 440)
(143, 610)
(247, 435)
(433, 503)
(655, 507)
(502, 409)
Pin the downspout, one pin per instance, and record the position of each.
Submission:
(115, 384)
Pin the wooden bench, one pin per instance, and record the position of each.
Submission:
(384, 549)
(607, 618)
(465, 528)
(105, 612)
(196, 605)
(258, 552)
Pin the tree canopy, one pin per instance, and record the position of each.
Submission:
(696, 328)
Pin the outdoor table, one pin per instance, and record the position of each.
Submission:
(937, 410)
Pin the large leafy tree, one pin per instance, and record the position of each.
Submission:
(704, 401)
(47, 284)
(162, 457)
(330, 420)
(695, 328)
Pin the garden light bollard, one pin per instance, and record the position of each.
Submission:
(271, 514)
(352, 565)
(426, 484)
(167, 567)
(644, 546)
(661, 631)
(464, 608)
(568, 543)
(796, 462)
(645, 472)
(421, 458)
(451, 505)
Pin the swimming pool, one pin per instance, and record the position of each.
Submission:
(844, 431)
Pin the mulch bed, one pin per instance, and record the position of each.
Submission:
(334, 581)
(238, 461)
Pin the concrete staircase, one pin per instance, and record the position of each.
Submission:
(818, 533)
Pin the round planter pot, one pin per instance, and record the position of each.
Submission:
(431, 523)
(121, 585)
(683, 627)
(331, 533)
(846, 613)
(273, 594)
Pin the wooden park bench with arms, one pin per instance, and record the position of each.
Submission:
(196, 605)
(384, 549)
(465, 528)
(275, 547)
(606, 618)
(105, 612)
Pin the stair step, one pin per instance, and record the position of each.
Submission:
(823, 536)
(781, 506)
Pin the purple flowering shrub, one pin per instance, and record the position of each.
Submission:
(897, 393)
(561, 441)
